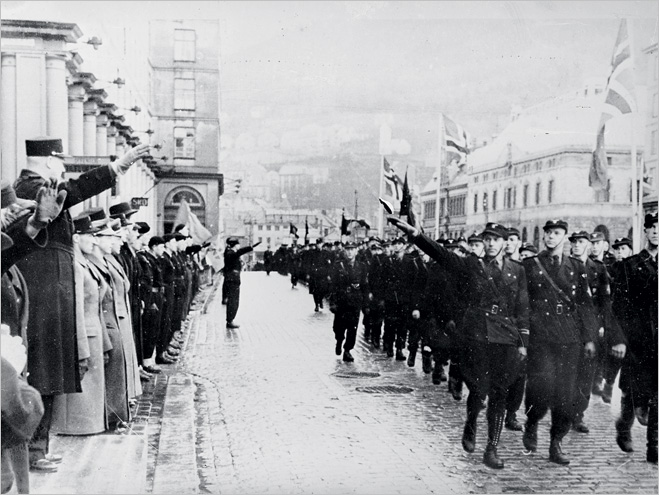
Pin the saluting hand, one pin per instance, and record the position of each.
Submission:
(49, 204)
(122, 165)
(401, 225)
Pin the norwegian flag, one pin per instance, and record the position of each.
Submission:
(456, 141)
(392, 183)
(618, 100)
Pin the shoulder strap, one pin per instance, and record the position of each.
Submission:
(544, 272)
(493, 286)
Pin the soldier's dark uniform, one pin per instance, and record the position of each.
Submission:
(561, 323)
(376, 297)
(635, 306)
(349, 293)
(395, 332)
(267, 261)
(232, 268)
(416, 280)
(495, 324)
(152, 293)
(168, 271)
(609, 334)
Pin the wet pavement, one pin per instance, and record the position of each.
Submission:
(272, 409)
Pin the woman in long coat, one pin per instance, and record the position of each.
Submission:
(84, 413)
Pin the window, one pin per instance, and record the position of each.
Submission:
(525, 198)
(430, 209)
(268, 227)
(476, 203)
(525, 234)
(269, 240)
(494, 200)
(260, 227)
(537, 193)
(184, 94)
(184, 142)
(514, 192)
(260, 239)
(277, 228)
(550, 191)
(184, 45)
(536, 236)
(485, 205)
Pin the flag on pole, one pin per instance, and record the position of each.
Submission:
(185, 217)
(392, 187)
(293, 230)
(456, 141)
(306, 230)
(407, 205)
(618, 100)
(345, 222)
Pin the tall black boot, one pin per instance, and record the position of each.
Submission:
(624, 424)
(469, 432)
(530, 438)
(556, 452)
(411, 358)
(494, 426)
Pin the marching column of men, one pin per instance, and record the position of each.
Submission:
(89, 301)
(546, 329)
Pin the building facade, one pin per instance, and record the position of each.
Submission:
(184, 103)
(48, 90)
(452, 205)
(538, 169)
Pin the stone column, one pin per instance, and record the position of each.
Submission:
(76, 120)
(89, 128)
(112, 140)
(102, 135)
(57, 114)
(8, 123)
(120, 145)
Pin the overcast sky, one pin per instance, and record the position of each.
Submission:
(472, 59)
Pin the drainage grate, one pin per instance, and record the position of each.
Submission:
(356, 374)
(385, 389)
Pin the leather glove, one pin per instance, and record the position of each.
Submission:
(49, 205)
(122, 165)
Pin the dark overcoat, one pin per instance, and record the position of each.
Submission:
(48, 272)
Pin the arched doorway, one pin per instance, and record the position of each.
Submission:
(173, 204)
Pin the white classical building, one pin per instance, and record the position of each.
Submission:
(538, 167)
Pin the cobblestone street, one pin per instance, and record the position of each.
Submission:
(271, 409)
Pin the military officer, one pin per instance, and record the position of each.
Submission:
(375, 305)
(513, 243)
(495, 326)
(563, 325)
(599, 249)
(232, 268)
(636, 309)
(476, 245)
(349, 294)
(395, 332)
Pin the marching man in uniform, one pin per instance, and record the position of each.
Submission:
(495, 327)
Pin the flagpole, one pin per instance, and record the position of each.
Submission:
(637, 196)
(380, 210)
(439, 172)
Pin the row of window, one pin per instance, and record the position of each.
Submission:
(489, 203)
(536, 166)
(456, 207)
